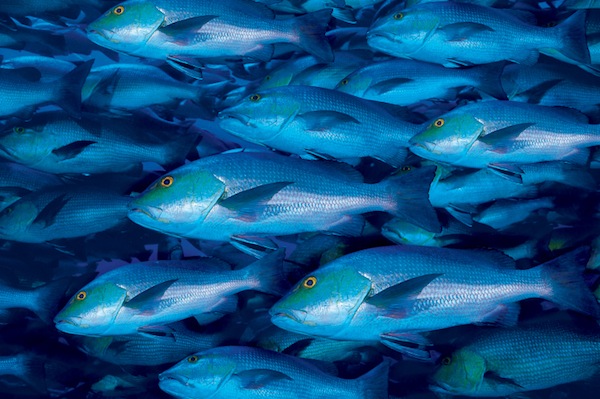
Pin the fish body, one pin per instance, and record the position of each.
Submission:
(227, 29)
(316, 122)
(41, 300)
(492, 132)
(50, 68)
(401, 232)
(239, 194)
(505, 213)
(458, 34)
(504, 362)
(404, 82)
(133, 86)
(55, 143)
(245, 372)
(22, 91)
(143, 350)
(360, 296)
(130, 298)
(62, 212)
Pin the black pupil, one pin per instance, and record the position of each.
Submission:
(309, 282)
(167, 182)
(81, 296)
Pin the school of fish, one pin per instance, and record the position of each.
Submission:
(313, 199)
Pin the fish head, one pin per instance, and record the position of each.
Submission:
(403, 31)
(25, 143)
(357, 83)
(127, 26)
(92, 310)
(461, 373)
(322, 303)
(260, 116)
(402, 232)
(178, 201)
(449, 138)
(199, 375)
(16, 220)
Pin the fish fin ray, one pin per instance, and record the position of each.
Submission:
(248, 205)
(148, 299)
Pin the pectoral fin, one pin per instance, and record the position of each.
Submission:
(462, 31)
(321, 120)
(502, 140)
(396, 301)
(183, 32)
(254, 246)
(148, 300)
(248, 205)
(70, 151)
(48, 214)
(258, 378)
(496, 378)
(186, 65)
(389, 85)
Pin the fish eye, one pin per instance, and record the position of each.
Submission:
(268, 77)
(309, 282)
(255, 97)
(166, 181)
(398, 16)
(192, 359)
(406, 168)
(439, 122)
(344, 82)
(19, 129)
(119, 10)
(446, 361)
(81, 295)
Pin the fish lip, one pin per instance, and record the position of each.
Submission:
(439, 387)
(294, 315)
(374, 34)
(142, 211)
(245, 120)
(7, 152)
(175, 377)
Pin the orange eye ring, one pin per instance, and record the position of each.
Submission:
(166, 181)
(192, 359)
(398, 16)
(310, 282)
(81, 295)
(446, 361)
(344, 82)
(255, 97)
(439, 122)
(406, 168)
(19, 129)
(119, 10)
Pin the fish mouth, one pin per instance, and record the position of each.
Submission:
(151, 212)
(440, 387)
(174, 377)
(427, 146)
(382, 34)
(297, 316)
(8, 152)
(244, 119)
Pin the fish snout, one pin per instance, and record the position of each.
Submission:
(244, 119)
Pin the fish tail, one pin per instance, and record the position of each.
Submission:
(31, 370)
(564, 276)
(48, 297)
(374, 384)
(67, 93)
(409, 198)
(572, 38)
(489, 79)
(266, 274)
(310, 30)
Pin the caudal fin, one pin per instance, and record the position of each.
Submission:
(410, 198)
(489, 79)
(267, 273)
(564, 275)
(311, 29)
(67, 93)
(374, 384)
(571, 36)
(48, 298)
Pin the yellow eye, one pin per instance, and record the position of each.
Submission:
(439, 123)
(119, 10)
(192, 359)
(268, 77)
(344, 82)
(255, 97)
(19, 129)
(398, 16)
(446, 361)
(81, 295)
(166, 181)
(309, 282)
(406, 168)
